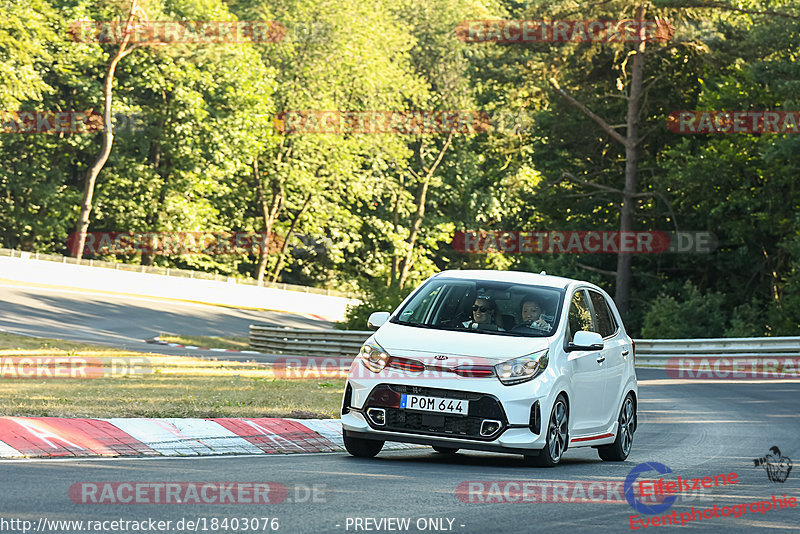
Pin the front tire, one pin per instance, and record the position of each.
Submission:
(362, 448)
(557, 433)
(619, 450)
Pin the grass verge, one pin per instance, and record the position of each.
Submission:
(116, 383)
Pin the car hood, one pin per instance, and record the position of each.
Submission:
(454, 347)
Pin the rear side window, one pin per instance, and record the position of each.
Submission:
(606, 325)
(580, 317)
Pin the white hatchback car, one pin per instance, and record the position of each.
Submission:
(497, 361)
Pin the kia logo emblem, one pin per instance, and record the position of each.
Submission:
(440, 357)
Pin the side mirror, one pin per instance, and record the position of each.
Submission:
(586, 341)
(377, 320)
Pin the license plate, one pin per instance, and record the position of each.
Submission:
(434, 404)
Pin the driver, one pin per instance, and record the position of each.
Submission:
(532, 315)
(484, 312)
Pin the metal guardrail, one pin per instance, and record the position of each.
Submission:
(168, 271)
(657, 352)
(649, 352)
(290, 341)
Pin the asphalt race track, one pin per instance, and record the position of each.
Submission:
(696, 428)
(125, 322)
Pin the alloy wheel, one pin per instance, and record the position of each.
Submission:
(557, 430)
(626, 426)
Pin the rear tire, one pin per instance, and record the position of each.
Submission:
(619, 450)
(445, 450)
(362, 448)
(557, 436)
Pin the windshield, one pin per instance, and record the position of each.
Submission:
(485, 307)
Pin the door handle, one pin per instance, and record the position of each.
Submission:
(601, 359)
(625, 352)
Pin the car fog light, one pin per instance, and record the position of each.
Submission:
(377, 415)
(489, 427)
(535, 420)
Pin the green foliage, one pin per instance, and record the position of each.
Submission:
(24, 54)
(209, 112)
(689, 316)
(377, 297)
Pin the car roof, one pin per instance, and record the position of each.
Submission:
(514, 277)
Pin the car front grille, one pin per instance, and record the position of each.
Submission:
(481, 407)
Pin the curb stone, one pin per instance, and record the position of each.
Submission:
(54, 437)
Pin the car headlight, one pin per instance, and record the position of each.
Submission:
(373, 356)
(523, 368)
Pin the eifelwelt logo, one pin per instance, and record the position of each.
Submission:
(630, 482)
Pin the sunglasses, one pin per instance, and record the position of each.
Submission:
(481, 309)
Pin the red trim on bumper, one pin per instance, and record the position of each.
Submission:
(593, 437)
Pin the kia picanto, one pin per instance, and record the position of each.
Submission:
(499, 361)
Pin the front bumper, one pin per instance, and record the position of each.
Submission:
(512, 440)
(512, 407)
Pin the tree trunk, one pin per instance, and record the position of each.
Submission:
(269, 214)
(624, 260)
(631, 143)
(276, 204)
(284, 246)
(395, 224)
(415, 226)
(152, 218)
(420, 213)
(108, 137)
